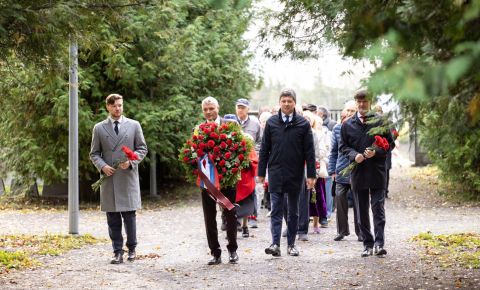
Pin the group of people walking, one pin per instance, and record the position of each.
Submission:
(295, 170)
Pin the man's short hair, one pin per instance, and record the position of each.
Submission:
(324, 110)
(210, 100)
(361, 95)
(110, 100)
(288, 93)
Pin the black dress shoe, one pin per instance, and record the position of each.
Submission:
(367, 252)
(132, 255)
(215, 261)
(273, 250)
(233, 258)
(339, 238)
(292, 250)
(117, 258)
(380, 251)
(245, 232)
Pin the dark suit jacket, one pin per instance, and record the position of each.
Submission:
(371, 173)
(285, 150)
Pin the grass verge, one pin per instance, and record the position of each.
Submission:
(461, 249)
(21, 251)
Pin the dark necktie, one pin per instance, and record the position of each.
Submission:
(116, 127)
(364, 119)
(287, 119)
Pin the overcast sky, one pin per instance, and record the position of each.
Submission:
(330, 66)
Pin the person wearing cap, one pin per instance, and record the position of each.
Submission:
(287, 146)
(251, 126)
(210, 110)
(368, 178)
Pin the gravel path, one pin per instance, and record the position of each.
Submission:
(174, 252)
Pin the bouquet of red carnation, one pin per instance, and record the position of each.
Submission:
(380, 143)
(224, 144)
(129, 155)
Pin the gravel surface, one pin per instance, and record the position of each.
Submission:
(173, 251)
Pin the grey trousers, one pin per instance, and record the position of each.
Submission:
(341, 200)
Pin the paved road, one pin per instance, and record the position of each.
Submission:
(175, 251)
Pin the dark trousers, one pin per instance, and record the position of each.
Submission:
(303, 210)
(388, 181)
(341, 200)
(210, 216)
(114, 221)
(377, 201)
(277, 216)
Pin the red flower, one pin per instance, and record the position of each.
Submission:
(234, 170)
(234, 134)
(220, 177)
(216, 149)
(243, 143)
(224, 169)
(200, 137)
(237, 164)
(214, 135)
(186, 151)
(195, 137)
(194, 146)
(202, 146)
(129, 153)
(186, 159)
(228, 155)
(211, 143)
(221, 163)
(229, 142)
(224, 126)
(200, 153)
(223, 145)
(223, 136)
(241, 157)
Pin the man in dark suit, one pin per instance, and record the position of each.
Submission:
(287, 145)
(368, 178)
(210, 110)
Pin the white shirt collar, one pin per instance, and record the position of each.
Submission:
(120, 120)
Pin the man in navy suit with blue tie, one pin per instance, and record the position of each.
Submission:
(287, 146)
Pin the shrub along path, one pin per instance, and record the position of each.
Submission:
(173, 250)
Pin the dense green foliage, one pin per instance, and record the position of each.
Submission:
(427, 55)
(162, 57)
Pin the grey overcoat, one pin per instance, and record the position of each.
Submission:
(120, 192)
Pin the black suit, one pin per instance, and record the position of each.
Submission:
(367, 178)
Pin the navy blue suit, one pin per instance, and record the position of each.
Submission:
(367, 178)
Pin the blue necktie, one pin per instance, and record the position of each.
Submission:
(116, 127)
(286, 119)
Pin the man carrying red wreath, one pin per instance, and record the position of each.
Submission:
(368, 178)
(210, 110)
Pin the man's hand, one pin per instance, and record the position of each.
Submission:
(334, 175)
(369, 153)
(310, 183)
(124, 165)
(260, 179)
(108, 170)
(359, 158)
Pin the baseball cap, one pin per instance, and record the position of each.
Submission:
(243, 102)
(230, 118)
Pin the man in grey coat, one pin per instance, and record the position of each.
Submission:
(120, 192)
